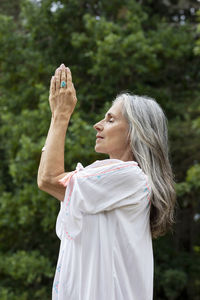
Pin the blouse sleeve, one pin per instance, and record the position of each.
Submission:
(102, 189)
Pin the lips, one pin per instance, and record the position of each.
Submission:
(99, 137)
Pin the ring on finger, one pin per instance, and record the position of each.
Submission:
(63, 84)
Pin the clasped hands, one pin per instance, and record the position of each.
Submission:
(62, 95)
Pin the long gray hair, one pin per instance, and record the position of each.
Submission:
(148, 136)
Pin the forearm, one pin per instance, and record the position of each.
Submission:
(52, 159)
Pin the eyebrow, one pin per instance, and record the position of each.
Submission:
(109, 115)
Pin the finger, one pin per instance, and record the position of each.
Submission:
(69, 78)
(66, 72)
(63, 78)
(52, 86)
(74, 89)
(56, 71)
(58, 78)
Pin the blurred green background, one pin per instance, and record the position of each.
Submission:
(146, 47)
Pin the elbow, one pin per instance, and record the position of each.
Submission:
(42, 182)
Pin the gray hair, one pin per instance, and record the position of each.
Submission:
(148, 136)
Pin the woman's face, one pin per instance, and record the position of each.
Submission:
(112, 133)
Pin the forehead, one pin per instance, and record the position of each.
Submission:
(115, 109)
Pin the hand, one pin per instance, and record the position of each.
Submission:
(62, 100)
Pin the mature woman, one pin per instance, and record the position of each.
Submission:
(111, 209)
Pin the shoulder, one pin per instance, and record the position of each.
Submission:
(112, 168)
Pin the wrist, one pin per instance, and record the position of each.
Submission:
(61, 118)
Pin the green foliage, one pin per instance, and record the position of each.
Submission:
(24, 270)
(110, 46)
(193, 176)
(26, 267)
(197, 47)
(174, 282)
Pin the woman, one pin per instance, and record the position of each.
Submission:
(111, 209)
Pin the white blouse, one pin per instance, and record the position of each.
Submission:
(103, 224)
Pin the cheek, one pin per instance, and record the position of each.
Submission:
(122, 138)
(118, 135)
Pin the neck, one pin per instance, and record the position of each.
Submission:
(127, 156)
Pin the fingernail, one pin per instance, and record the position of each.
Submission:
(62, 65)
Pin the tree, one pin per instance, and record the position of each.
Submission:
(110, 47)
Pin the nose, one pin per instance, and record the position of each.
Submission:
(98, 126)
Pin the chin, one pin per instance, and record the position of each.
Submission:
(99, 150)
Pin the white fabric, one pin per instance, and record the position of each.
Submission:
(103, 224)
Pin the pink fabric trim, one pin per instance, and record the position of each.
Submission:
(103, 172)
(65, 180)
(149, 192)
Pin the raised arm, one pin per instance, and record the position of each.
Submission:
(62, 101)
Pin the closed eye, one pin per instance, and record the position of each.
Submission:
(109, 118)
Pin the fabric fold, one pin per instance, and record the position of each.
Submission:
(98, 188)
(104, 227)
